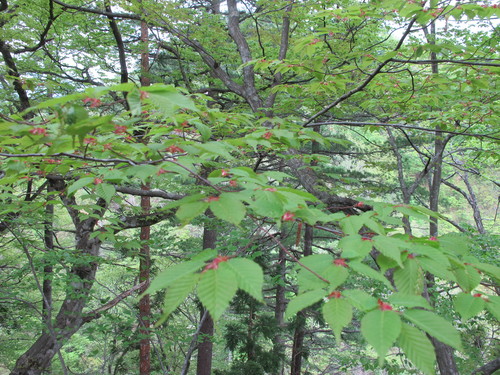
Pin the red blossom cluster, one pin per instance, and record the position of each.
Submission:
(214, 264)
(38, 131)
(94, 102)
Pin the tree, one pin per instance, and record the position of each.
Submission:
(266, 86)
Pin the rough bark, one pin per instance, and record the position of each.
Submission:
(444, 353)
(488, 369)
(69, 318)
(298, 337)
(205, 347)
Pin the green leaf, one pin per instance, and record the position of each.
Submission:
(338, 314)
(353, 246)
(105, 191)
(267, 204)
(134, 102)
(228, 208)
(455, 243)
(366, 270)
(390, 247)
(436, 268)
(418, 348)
(168, 99)
(493, 306)
(304, 300)
(467, 305)
(409, 280)
(188, 211)
(489, 269)
(78, 184)
(468, 278)
(321, 264)
(176, 294)
(360, 299)
(217, 288)
(249, 275)
(407, 300)
(435, 326)
(172, 274)
(381, 329)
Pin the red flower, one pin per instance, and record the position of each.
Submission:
(94, 102)
(143, 95)
(120, 129)
(233, 183)
(224, 173)
(214, 264)
(340, 262)
(90, 141)
(288, 216)
(98, 181)
(38, 131)
(477, 295)
(433, 238)
(267, 135)
(174, 149)
(384, 306)
(335, 294)
(359, 205)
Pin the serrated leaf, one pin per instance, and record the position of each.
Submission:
(407, 300)
(267, 204)
(418, 348)
(78, 184)
(436, 268)
(249, 275)
(435, 326)
(489, 269)
(455, 243)
(381, 329)
(228, 208)
(468, 278)
(217, 288)
(172, 274)
(353, 246)
(134, 102)
(360, 299)
(322, 265)
(338, 314)
(105, 191)
(467, 305)
(176, 294)
(188, 211)
(366, 270)
(493, 306)
(409, 280)
(303, 300)
(390, 247)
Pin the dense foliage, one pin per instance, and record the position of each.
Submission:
(309, 185)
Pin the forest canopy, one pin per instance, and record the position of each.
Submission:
(249, 187)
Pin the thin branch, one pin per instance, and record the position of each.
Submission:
(462, 62)
(97, 11)
(402, 126)
(365, 83)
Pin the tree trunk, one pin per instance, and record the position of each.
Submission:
(279, 310)
(298, 337)
(205, 347)
(69, 319)
(145, 258)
